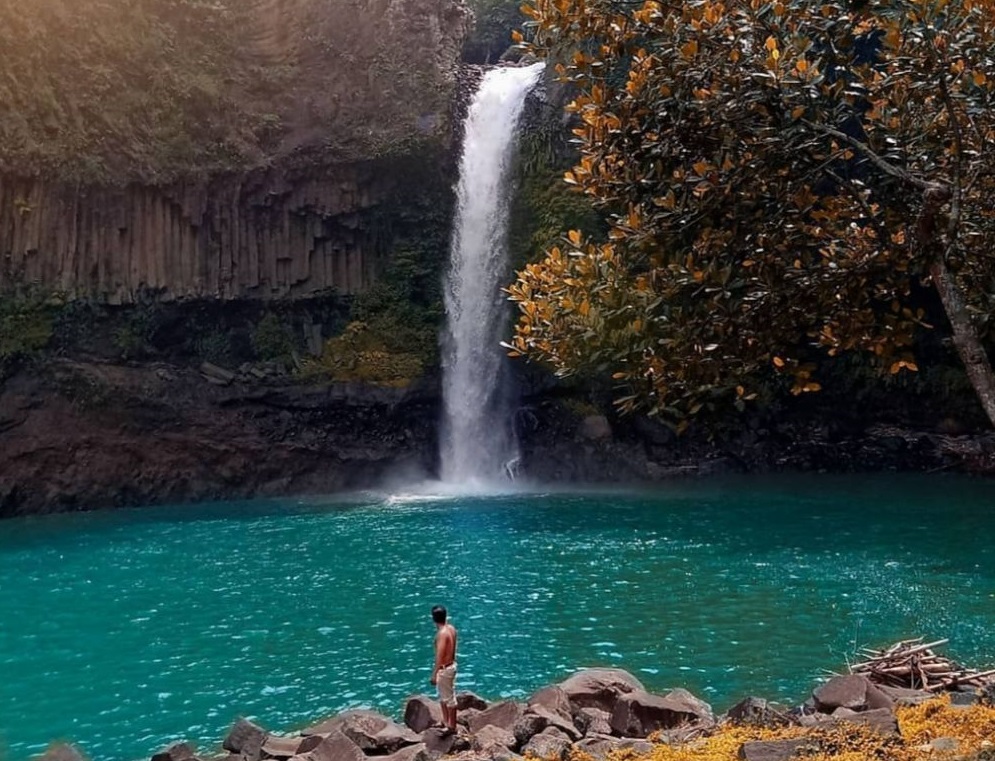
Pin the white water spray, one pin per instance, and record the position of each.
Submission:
(478, 438)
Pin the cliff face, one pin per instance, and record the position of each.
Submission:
(261, 236)
(225, 150)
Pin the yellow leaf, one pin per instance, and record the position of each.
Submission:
(771, 44)
(690, 49)
(797, 112)
(574, 236)
(778, 362)
(516, 36)
(979, 78)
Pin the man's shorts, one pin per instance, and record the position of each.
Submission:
(446, 682)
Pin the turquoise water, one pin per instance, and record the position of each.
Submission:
(126, 630)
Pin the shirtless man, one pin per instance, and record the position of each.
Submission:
(444, 673)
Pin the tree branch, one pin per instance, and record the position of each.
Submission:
(879, 162)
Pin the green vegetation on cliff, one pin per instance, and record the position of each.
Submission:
(154, 90)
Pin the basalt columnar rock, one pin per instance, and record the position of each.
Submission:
(273, 172)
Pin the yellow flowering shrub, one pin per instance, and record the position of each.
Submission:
(973, 727)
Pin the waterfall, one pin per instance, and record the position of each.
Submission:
(478, 439)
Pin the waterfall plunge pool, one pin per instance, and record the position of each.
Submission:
(125, 630)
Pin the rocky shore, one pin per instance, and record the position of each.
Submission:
(608, 715)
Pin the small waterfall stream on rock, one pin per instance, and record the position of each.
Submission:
(478, 439)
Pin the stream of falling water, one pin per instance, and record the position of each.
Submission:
(478, 438)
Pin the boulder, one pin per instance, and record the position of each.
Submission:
(852, 691)
(465, 717)
(492, 738)
(438, 741)
(393, 737)
(176, 752)
(598, 688)
(61, 752)
(595, 428)
(503, 715)
(639, 713)
(421, 712)
(553, 719)
(246, 738)
(881, 720)
(599, 747)
(593, 721)
(771, 750)
(467, 700)
(547, 746)
(286, 747)
(335, 747)
(903, 696)
(757, 712)
(552, 698)
(411, 753)
(527, 727)
(372, 732)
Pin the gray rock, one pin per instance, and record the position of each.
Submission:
(372, 732)
(945, 744)
(905, 697)
(176, 752)
(421, 712)
(757, 712)
(593, 721)
(547, 746)
(468, 700)
(552, 698)
(600, 747)
(210, 370)
(490, 738)
(246, 738)
(771, 750)
(61, 752)
(881, 720)
(411, 753)
(553, 719)
(335, 747)
(503, 715)
(393, 737)
(595, 428)
(598, 688)
(287, 747)
(527, 727)
(639, 713)
(852, 691)
(963, 698)
(438, 741)
(465, 717)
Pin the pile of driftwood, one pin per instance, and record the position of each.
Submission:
(914, 665)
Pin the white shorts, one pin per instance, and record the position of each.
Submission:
(446, 682)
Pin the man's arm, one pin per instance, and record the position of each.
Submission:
(438, 657)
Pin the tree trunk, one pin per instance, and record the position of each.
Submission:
(966, 339)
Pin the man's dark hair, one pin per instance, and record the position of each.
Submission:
(439, 614)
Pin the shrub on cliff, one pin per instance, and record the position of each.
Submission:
(27, 319)
(359, 354)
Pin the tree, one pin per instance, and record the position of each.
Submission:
(779, 176)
